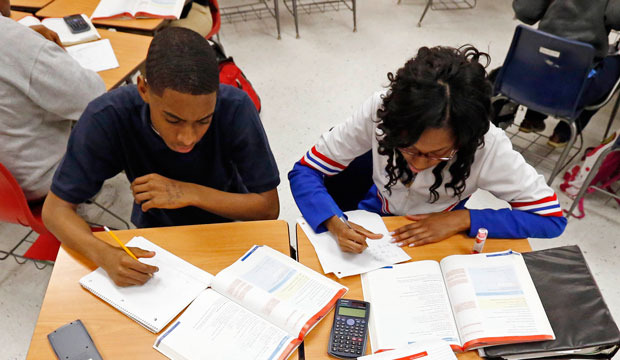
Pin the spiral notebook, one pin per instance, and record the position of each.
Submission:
(154, 304)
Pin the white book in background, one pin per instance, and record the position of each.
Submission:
(128, 9)
(469, 301)
(58, 25)
(260, 307)
(427, 349)
(379, 252)
(154, 304)
(95, 56)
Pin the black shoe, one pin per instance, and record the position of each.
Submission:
(529, 125)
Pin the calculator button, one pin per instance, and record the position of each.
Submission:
(350, 322)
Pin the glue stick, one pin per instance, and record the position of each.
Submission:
(480, 239)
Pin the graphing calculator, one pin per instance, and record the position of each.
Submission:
(348, 337)
(76, 23)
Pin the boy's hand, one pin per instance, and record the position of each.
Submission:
(156, 191)
(47, 33)
(126, 271)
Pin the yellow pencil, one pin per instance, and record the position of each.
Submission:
(120, 243)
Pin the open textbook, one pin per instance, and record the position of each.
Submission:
(260, 307)
(67, 38)
(469, 301)
(123, 9)
(379, 252)
(426, 349)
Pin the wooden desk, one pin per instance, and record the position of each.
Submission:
(18, 15)
(29, 4)
(60, 8)
(130, 51)
(210, 247)
(315, 344)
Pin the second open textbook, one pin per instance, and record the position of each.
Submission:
(469, 301)
(260, 307)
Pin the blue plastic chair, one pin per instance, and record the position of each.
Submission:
(547, 73)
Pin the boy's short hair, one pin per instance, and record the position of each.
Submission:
(182, 60)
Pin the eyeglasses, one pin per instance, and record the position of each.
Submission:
(415, 153)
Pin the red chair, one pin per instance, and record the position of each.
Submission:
(15, 209)
(217, 19)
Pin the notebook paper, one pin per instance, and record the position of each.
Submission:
(154, 304)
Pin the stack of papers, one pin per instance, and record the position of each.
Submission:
(427, 349)
(378, 254)
(67, 38)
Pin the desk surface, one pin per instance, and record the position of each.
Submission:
(29, 4)
(60, 8)
(130, 51)
(210, 247)
(315, 344)
(18, 15)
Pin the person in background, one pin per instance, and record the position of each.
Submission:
(432, 147)
(586, 21)
(42, 92)
(194, 151)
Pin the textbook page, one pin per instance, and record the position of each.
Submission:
(279, 289)
(160, 299)
(494, 299)
(379, 253)
(169, 9)
(115, 8)
(216, 328)
(96, 55)
(427, 349)
(409, 302)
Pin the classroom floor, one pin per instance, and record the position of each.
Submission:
(308, 85)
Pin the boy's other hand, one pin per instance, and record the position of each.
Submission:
(156, 191)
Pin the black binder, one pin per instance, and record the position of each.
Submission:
(574, 305)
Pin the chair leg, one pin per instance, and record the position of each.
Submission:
(428, 4)
(612, 117)
(295, 15)
(558, 165)
(110, 212)
(276, 9)
(354, 5)
(586, 183)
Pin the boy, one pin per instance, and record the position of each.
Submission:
(194, 151)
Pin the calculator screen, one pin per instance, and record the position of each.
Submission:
(347, 311)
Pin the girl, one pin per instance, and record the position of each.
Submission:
(432, 147)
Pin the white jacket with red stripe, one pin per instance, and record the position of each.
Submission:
(497, 168)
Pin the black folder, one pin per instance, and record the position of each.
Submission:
(574, 305)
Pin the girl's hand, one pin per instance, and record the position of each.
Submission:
(350, 240)
(431, 228)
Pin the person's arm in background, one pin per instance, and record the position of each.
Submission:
(60, 85)
(530, 11)
(612, 15)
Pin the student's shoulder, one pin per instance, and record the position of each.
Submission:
(230, 96)
(120, 102)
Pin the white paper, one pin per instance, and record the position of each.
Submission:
(431, 349)
(29, 21)
(379, 253)
(68, 38)
(95, 56)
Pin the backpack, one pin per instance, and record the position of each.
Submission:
(230, 74)
(607, 174)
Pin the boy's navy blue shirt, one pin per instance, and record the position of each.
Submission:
(114, 134)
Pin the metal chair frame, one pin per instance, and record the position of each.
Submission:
(255, 10)
(445, 5)
(315, 6)
(588, 180)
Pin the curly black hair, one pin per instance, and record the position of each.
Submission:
(441, 87)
